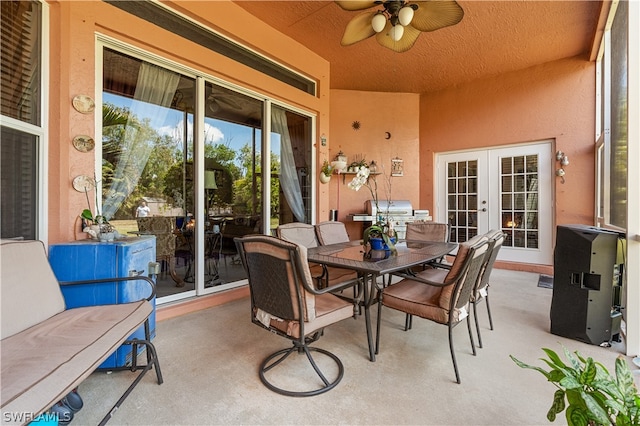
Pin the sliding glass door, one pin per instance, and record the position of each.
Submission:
(187, 159)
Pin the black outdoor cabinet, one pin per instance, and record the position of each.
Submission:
(587, 283)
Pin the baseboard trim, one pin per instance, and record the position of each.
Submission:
(198, 303)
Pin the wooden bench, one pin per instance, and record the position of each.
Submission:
(48, 350)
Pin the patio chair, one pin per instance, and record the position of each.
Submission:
(305, 235)
(439, 295)
(285, 302)
(481, 292)
(428, 231)
(163, 229)
(331, 232)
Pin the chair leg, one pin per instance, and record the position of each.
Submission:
(281, 355)
(453, 356)
(408, 322)
(473, 345)
(475, 317)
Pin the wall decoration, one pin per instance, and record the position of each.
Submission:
(355, 125)
(84, 104)
(83, 183)
(397, 167)
(84, 143)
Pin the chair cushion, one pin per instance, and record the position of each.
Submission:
(329, 309)
(427, 231)
(300, 233)
(416, 299)
(331, 233)
(75, 341)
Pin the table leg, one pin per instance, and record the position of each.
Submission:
(368, 298)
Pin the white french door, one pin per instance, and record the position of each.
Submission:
(502, 188)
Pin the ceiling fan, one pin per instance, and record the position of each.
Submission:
(398, 25)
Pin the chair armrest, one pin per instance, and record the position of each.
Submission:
(416, 278)
(149, 281)
(335, 287)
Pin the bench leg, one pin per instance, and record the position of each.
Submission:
(152, 358)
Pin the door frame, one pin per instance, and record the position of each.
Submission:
(490, 156)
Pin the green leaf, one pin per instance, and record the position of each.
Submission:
(624, 378)
(572, 359)
(531, 367)
(570, 382)
(554, 357)
(557, 406)
(576, 416)
(589, 373)
(86, 214)
(597, 412)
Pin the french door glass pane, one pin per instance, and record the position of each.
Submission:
(519, 197)
(462, 199)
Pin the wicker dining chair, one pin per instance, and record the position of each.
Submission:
(285, 302)
(305, 235)
(481, 291)
(331, 232)
(439, 295)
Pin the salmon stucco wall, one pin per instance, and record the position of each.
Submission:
(387, 129)
(550, 101)
(75, 70)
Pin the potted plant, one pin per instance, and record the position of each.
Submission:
(325, 172)
(592, 396)
(380, 235)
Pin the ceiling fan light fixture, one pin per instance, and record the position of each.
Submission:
(396, 32)
(405, 15)
(378, 22)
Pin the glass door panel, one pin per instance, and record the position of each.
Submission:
(504, 188)
(290, 168)
(233, 178)
(147, 161)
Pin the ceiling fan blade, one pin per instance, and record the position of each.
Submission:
(358, 29)
(405, 43)
(355, 5)
(226, 101)
(435, 14)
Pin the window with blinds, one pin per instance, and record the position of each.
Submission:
(20, 101)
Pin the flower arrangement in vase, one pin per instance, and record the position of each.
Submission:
(382, 228)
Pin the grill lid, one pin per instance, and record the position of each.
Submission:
(395, 207)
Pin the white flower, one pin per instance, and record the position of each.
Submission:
(360, 179)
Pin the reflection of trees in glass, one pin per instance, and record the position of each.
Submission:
(163, 155)
(248, 188)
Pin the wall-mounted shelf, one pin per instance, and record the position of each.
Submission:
(344, 177)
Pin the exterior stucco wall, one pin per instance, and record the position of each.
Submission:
(551, 101)
(75, 69)
(377, 113)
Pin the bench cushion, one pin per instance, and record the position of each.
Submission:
(30, 290)
(46, 361)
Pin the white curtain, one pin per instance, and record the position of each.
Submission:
(154, 92)
(288, 174)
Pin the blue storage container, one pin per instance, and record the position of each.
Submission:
(91, 259)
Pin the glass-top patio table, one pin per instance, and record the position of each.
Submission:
(375, 263)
